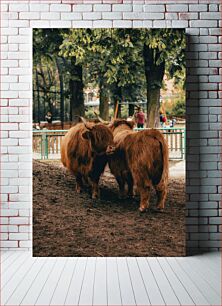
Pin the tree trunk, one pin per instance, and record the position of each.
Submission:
(46, 86)
(104, 102)
(119, 114)
(116, 94)
(61, 91)
(154, 77)
(38, 97)
(76, 91)
(131, 110)
(119, 99)
(153, 107)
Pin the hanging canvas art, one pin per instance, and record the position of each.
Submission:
(109, 142)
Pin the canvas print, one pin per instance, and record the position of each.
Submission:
(109, 134)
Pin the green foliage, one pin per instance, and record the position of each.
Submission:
(46, 43)
(179, 109)
(169, 46)
(112, 54)
(114, 57)
(90, 112)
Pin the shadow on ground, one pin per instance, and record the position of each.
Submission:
(70, 224)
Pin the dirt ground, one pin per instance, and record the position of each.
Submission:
(70, 224)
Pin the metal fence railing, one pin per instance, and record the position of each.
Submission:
(47, 143)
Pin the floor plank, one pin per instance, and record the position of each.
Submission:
(11, 261)
(126, 289)
(211, 260)
(62, 288)
(190, 286)
(17, 279)
(48, 290)
(100, 283)
(14, 269)
(208, 292)
(18, 294)
(165, 287)
(182, 295)
(151, 285)
(38, 283)
(206, 272)
(140, 292)
(110, 281)
(5, 255)
(86, 294)
(75, 286)
(113, 285)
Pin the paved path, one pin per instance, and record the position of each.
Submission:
(178, 169)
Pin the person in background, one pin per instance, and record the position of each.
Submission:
(36, 126)
(48, 117)
(163, 119)
(140, 118)
(172, 123)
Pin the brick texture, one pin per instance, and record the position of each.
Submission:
(201, 18)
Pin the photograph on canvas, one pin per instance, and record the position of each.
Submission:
(109, 142)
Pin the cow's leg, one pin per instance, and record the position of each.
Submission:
(86, 181)
(79, 183)
(130, 185)
(161, 198)
(121, 184)
(144, 193)
(95, 190)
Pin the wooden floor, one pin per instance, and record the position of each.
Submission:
(110, 281)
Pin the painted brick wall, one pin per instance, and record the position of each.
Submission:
(201, 19)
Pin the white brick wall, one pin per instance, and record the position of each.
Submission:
(201, 20)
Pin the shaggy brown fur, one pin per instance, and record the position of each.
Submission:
(83, 153)
(117, 161)
(144, 156)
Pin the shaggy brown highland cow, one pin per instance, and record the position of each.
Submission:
(140, 159)
(83, 153)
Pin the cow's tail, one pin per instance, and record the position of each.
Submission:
(163, 183)
(63, 154)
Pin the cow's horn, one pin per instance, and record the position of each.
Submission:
(85, 122)
(100, 119)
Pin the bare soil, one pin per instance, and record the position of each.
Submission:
(69, 224)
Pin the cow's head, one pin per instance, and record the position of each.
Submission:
(100, 136)
(117, 122)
